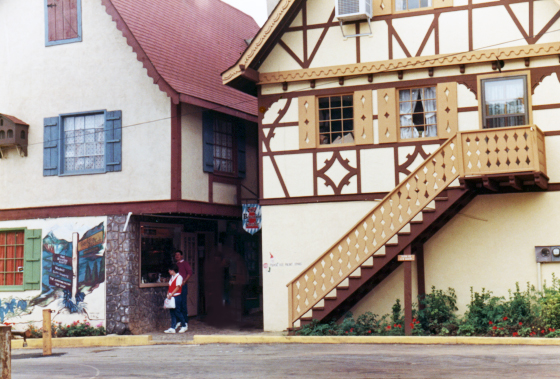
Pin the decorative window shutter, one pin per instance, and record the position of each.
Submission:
(447, 115)
(443, 3)
(51, 137)
(62, 19)
(388, 116)
(307, 122)
(241, 152)
(32, 258)
(208, 141)
(382, 7)
(113, 141)
(363, 117)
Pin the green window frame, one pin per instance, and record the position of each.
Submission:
(31, 260)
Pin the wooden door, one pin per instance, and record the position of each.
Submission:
(189, 247)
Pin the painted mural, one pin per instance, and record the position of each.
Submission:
(72, 276)
(72, 269)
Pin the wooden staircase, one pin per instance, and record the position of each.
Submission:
(415, 210)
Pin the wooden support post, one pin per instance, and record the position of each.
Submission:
(47, 337)
(6, 351)
(407, 259)
(419, 254)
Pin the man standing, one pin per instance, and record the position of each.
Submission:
(185, 271)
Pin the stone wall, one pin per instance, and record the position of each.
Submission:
(130, 309)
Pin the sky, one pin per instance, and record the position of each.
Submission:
(254, 8)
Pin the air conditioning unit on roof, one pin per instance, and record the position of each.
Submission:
(353, 10)
(350, 10)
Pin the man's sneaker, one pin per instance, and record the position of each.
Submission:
(184, 329)
(170, 330)
(178, 325)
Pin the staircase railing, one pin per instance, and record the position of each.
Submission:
(478, 152)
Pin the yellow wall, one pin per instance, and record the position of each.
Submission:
(490, 244)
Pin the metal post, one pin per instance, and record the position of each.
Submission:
(47, 337)
(6, 351)
(75, 265)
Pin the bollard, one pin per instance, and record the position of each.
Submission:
(6, 351)
(47, 337)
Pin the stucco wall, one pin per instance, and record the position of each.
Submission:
(101, 72)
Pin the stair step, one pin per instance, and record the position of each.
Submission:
(356, 274)
(380, 252)
(394, 241)
(331, 295)
(405, 229)
(344, 284)
(368, 262)
(418, 219)
(308, 316)
(443, 198)
(320, 305)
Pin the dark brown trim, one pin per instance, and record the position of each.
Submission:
(280, 125)
(324, 199)
(217, 107)
(418, 251)
(304, 23)
(176, 152)
(408, 293)
(552, 134)
(518, 24)
(545, 107)
(140, 207)
(358, 49)
(467, 109)
(547, 27)
(400, 42)
(291, 53)
(428, 34)
(319, 42)
(345, 180)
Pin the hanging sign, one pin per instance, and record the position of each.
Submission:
(251, 218)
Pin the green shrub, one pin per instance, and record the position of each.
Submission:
(438, 312)
(550, 305)
(76, 329)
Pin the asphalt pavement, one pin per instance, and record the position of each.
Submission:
(294, 361)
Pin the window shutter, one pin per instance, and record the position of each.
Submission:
(51, 137)
(382, 7)
(363, 117)
(307, 122)
(113, 141)
(387, 108)
(70, 13)
(443, 3)
(241, 155)
(62, 18)
(32, 258)
(447, 115)
(208, 141)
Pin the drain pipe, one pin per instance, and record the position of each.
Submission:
(127, 220)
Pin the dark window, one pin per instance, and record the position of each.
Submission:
(336, 119)
(224, 146)
(403, 5)
(63, 21)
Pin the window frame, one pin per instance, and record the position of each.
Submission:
(398, 104)
(63, 41)
(318, 122)
(419, 9)
(27, 234)
(61, 155)
(526, 74)
(177, 228)
(234, 136)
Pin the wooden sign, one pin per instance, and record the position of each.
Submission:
(407, 258)
(60, 283)
(91, 241)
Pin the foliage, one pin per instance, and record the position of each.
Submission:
(76, 329)
(525, 313)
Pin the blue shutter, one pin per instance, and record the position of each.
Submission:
(32, 258)
(208, 141)
(51, 137)
(113, 141)
(241, 155)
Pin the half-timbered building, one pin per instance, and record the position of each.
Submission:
(120, 144)
(403, 129)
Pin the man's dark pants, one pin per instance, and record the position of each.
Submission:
(183, 303)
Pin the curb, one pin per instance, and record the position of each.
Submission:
(37, 343)
(216, 339)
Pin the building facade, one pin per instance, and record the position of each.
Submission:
(422, 128)
(128, 147)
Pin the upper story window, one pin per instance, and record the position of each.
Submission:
(224, 147)
(504, 102)
(82, 143)
(63, 21)
(223, 144)
(403, 5)
(336, 120)
(418, 113)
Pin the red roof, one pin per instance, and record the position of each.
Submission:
(186, 45)
(15, 120)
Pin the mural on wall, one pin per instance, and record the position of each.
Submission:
(72, 270)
